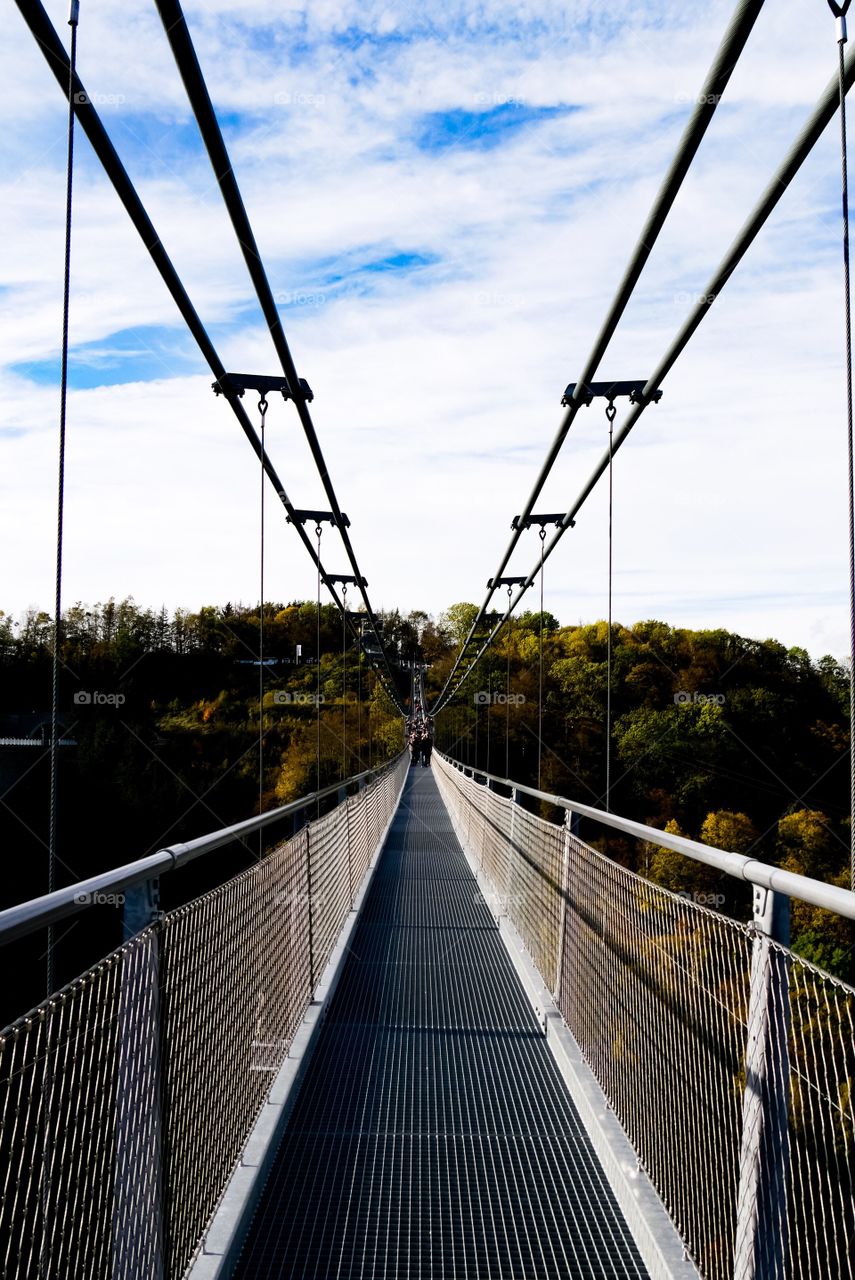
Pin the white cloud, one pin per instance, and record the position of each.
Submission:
(437, 390)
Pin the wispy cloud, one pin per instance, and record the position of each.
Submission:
(446, 198)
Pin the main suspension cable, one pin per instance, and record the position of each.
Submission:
(727, 55)
(51, 46)
(178, 35)
(811, 131)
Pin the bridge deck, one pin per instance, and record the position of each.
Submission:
(433, 1135)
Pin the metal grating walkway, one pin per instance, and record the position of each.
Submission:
(433, 1135)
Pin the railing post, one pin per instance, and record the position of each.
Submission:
(297, 820)
(511, 864)
(761, 1247)
(141, 906)
(138, 1211)
(569, 818)
(346, 803)
(309, 908)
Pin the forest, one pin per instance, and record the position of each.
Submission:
(737, 742)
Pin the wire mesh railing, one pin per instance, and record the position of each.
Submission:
(126, 1098)
(728, 1059)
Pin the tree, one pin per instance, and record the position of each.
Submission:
(733, 832)
(809, 846)
(457, 620)
(680, 873)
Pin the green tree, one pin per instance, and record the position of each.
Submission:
(457, 621)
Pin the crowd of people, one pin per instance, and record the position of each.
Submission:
(420, 736)
(421, 745)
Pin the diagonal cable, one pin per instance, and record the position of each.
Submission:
(727, 55)
(178, 35)
(810, 134)
(57, 59)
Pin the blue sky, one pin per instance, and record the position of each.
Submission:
(445, 200)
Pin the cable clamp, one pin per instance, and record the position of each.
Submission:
(583, 393)
(840, 11)
(237, 383)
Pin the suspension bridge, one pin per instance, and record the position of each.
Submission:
(431, 1031)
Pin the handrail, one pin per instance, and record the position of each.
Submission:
(37, 913)
(816, 892)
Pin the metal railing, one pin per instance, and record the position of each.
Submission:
(126, 1098)
(728, 1059)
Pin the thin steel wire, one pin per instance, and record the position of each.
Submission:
(610, 414)
(262, 409)
(160, 1057)
(508, 697)
(707, 102)
(540, 667)
(60, 497)
(657, 990)
(318, 532)
(847, 296)
(94, 1130)
(433, 1135)
(344, 682)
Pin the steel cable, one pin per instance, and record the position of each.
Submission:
(60, 499)
(810, 133)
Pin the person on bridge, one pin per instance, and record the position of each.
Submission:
(415, 747)
(426, 747)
